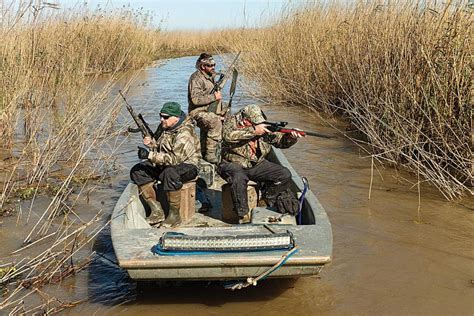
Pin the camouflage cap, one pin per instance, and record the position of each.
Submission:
(205, 59)
(208, 61)
(253, 113)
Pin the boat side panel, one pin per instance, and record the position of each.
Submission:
(314, 213)
(222, 273)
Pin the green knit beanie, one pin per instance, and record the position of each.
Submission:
(171, 108)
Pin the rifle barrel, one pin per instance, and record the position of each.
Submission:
(289, 130)
(317, 134)
(224, 76)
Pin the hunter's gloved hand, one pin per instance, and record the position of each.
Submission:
(142, 153)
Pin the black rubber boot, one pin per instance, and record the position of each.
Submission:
(246, 219)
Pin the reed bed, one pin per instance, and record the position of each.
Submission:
(185, 43)
(50, 101)
(399, 72)
(58, 127)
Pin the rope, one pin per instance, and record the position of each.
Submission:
(264, 275)
(301, 199)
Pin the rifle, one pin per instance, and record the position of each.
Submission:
(139, 120)
(281, 127)
(216, 106)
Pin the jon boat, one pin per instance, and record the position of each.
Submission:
(271, 246)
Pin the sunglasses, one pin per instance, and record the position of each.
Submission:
(164, 116)
(211, 66)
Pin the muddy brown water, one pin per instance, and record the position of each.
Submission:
(396, 253)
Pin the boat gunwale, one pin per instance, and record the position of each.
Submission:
(222, 262)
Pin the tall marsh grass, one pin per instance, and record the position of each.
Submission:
(399, 72)
(186, 43)
(50, 104)
(57, 122)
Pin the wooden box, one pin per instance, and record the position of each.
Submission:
(228, 213)
(188, 200)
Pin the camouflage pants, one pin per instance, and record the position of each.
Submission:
(210, 126)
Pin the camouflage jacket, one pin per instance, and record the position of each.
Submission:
(176, 145)
(241, 145)
(199, 89)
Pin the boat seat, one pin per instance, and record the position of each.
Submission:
(265, 215)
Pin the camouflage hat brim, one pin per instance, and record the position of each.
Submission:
(208, 61)
(253, 113)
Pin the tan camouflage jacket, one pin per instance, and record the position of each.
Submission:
(199, 89)
(177, 145)
(241, 145)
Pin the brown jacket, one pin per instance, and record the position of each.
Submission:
(199, 89)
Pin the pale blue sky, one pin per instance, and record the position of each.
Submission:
(200, 14)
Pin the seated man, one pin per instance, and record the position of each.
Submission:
(173, 159)
(246, 143)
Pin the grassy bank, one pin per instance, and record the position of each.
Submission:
(401, 74)
(46, 54)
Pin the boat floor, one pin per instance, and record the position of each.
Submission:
(213, 216)
(201, 220)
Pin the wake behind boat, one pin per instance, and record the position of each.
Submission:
(210, 247)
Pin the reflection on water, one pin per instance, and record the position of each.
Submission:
(392, 255)
(107, 283)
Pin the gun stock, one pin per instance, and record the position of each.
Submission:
(233, 86)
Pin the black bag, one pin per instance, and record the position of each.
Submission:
(287, 203)
(282, 198)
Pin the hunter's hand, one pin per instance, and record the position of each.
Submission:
(261, 129)
(218, 95)
(142, 153)
(147, 140)
(297, 134)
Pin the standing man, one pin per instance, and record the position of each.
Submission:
(200, 85)
(173, 160)
(246, 143)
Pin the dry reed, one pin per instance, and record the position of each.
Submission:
(57, 121)
(399, 72)
(50, 101)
